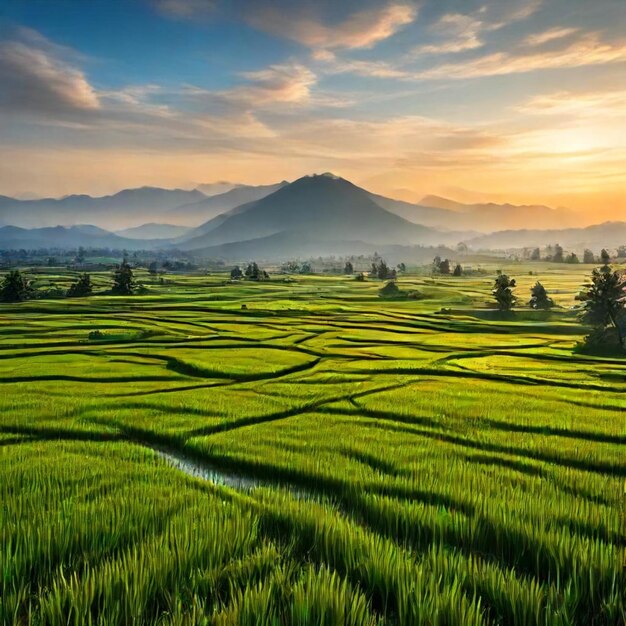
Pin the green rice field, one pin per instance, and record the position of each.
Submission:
(319, 456)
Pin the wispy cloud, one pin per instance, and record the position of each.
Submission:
(362, 29)
(460, 32)
(550, 35)
(37, 77)
(586, 51)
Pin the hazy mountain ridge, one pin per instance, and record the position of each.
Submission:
(322, 206)
(154, 230)
(14, 237)
(129, 207)
(198, 212)
(607, 234)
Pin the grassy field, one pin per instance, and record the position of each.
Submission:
(409, 462)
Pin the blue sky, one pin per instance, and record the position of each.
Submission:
(519, 100)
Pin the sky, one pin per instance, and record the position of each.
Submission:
(520, 101)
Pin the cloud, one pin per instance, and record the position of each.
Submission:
(36, 78)
(599, 105)
(461, 32)
(278, 83)
(550, 35)
(362, 29)
(184, 9)
(588, 50)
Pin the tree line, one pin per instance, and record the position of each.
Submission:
(16, 287)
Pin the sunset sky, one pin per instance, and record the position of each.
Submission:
(508, 100)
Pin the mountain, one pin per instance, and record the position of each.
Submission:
(289, 245)
(200, 211)
(596, 237)
(13, 237)
(490, 217)
(154, 231)
(325, 208)
(129, 207)
(213, 189)
(417, 213)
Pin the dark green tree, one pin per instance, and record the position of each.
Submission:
(539, 298)
(153, 268)
(572, 257)
(80, 255)
(15, 287)
(349, 268)
(557, 257)
(605, 257)
(604, 300)
(305, 268)
(588, 257)
(535, 255)
(236, 273)
(81, 288)
(503, 292)
(444, 267)
(382, 271)
(401, 267)
(458, 270)
(123, 281)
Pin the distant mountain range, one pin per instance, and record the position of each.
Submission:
(489, 217)
(596, 237)
(322, 207)
(200, 211)
(15, 238)
(313, 215)
(130, 207)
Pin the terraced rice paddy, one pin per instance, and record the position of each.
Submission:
(381, 462)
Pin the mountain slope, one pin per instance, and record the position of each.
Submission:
(200, 211)
(154, 231)
(13, 238)
(609, 234)
(491, 217)
(322, 206)
(129, 207)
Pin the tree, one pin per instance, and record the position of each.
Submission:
(81, 288)
(621, 252)
(436, 263)
(535, 255)
(604, 300)
(391, 290)
(349, 268)
(588, 256)
(444, 267)
(605, 257)
(572, 258)
(236, 273)
(383, 270)
(458, 270)
(401, 267)
(15, 287)
(80, 255)
(254, 272)
(374, 270)
(123, 282)
(305, 268)
(557, 257)
(503, 292)
(153, 268)
(539, 298)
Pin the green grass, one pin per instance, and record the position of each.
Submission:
(420, 461)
